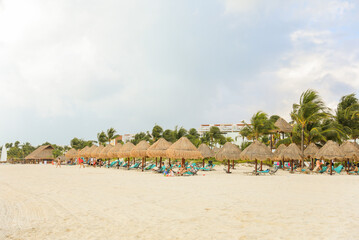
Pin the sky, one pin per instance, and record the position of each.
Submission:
(72, 68)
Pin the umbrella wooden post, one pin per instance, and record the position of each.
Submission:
(312, 167)
(183, 162)
(169, 161)
(128, 165)
(261, 165)
(142, 163)
(291, 166)
(156, 162)
(229, 166)
(283, 163)
(331, 167)
(160, 161)
(203, 163)
(255, 166)
(232, 164)
(118, 163)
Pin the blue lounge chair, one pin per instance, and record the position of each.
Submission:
(113, 163)
(149, 167)
(338, 169)
(136, 165)
(323, 169)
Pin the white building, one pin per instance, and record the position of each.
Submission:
(229, 130)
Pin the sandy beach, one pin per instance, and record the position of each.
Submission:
(42, 202)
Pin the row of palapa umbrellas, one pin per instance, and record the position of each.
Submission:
(183, 149)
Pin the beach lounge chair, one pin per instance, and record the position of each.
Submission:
(323, 169)
(338, 169)
(113, 163)
(125, 165)
(136, 165)
(149, 167)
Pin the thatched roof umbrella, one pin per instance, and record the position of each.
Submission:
(158, 149)
(311, 151)
(96, 153)
(216, 150)
(72, 153)
(356, 144)
(228, 152)
(292, 152)
(104, 153)
(331, 151)
(82, 152)
(183, 149)
(114, 152)
(281, 148)
(283, 126)
(89, 151)
(350, 151)
(257, 151)
(205, 151)
(125, 152)
(140, 151)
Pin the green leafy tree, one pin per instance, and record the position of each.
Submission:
(193, 136)
(77, 143)
(139, 137)
(102, 138)
(157, 132)
(111, 134)
(345, 115)
(310, 109)
(169, 135)
(259, 126)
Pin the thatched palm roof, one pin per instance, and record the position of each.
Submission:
(183, 148)
(350, 151)
(216, 150)
(159, 148)
(330, 151)
(283, 126)
(115, 151)
(105, 150)
(89, 151)
(81, 152)
(125, 151)
(140, 150)
(292, 152)
(96, 153)
(41, 153)
(356, 144)
(256, 151)
(229, 151)
(311, 150)
(205, 151)
(72, 153)
(279, 149)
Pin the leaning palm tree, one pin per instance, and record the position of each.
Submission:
(111, 134)
(260, 124)
(311, 109)
(101, 138)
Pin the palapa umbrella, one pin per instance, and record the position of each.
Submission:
(183, 149)
(257, 151)
(310, 152)
(140, 151)
(281, 148)
(356, 144)
(114, 153)
(206, 152)
(330, 151)
(125, 152)
(283, 126)
(158, 149)
(88, 153)
(105, 150)
(292, 152)
(96, 153)
(228, 152)
(351, 152)
(82, 152)
(71, 154)
(216, 150)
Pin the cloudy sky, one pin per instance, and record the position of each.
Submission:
(73, 68)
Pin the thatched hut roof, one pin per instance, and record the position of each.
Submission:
(140, 150)
(72, 153)
(279, 149)
(115, 151)
(41, 153)
(311, 150)
(350, 151)
(183, 148)
(159, 148)
(89, 151)
(292, 152)
(256, 151)
(125, 151)
(282, 126)
(104, 151)
(216, 150)
(81, 152)
(96, 153)
(356, 144)
(205, 151)
(228, 152)
(330, 151)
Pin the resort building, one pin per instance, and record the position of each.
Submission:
(229, 130)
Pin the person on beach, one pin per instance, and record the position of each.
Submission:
(81, 162)
(318, 166)
(58, 163)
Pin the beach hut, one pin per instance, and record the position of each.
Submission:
(310, 153)
(206, 152)
(332, 152)
(140, 151)
(356, 144)
(228, 152)
(351, 152)
(183, 149)
(125, 152)
(282, 126)
(158, 149)
(104, 153)
(81, 152)
(42, 153)
(88, 152)
(71, 154)
(276, 153)
(96, 153)
(257, 151)
(291, 153)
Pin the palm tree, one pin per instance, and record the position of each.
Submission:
(101, 138)
(260, 125)
(311, 109)
(111, 134)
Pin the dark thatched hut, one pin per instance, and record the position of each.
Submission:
(42, 153)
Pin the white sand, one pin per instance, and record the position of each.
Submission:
(42, 202)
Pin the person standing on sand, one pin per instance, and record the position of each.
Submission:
(58, 163)
(81, 162)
